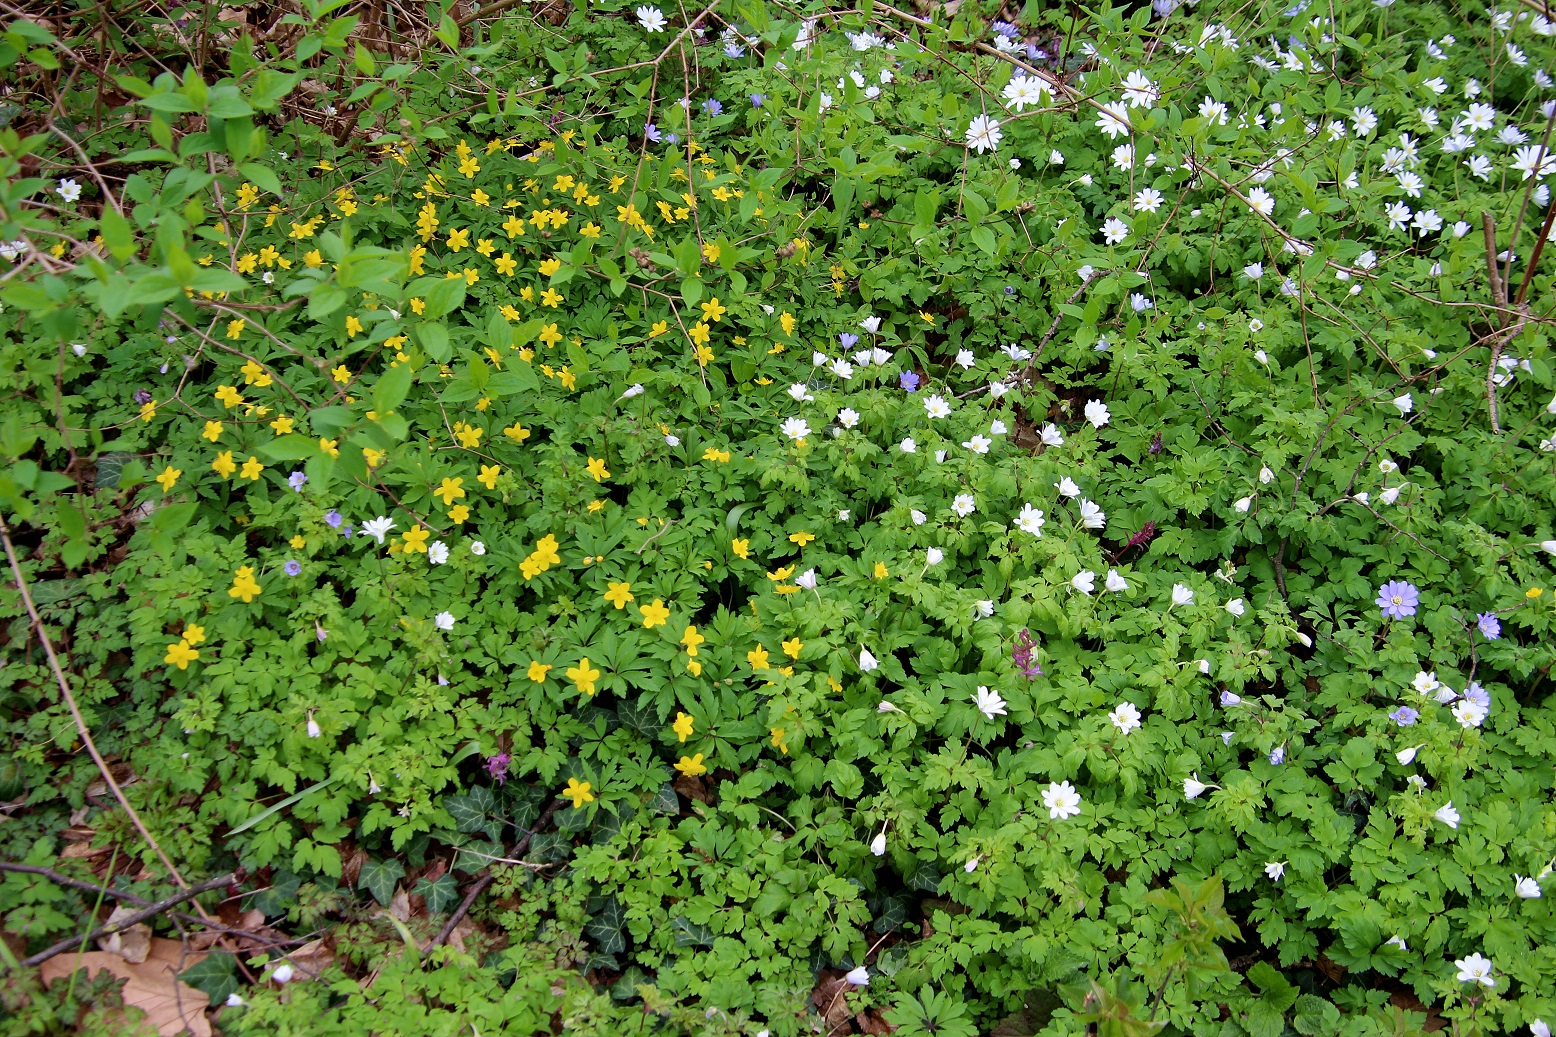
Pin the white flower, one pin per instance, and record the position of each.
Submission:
(1527, 888)
(477, 548)
(998, 389)
(1261, 202)
(1253, 271)
(917, 516)
(1084, 581)
(1115, 584)
(886, 707)
(965, 359)
(1067, 487)
(1125, 717)
(799, 393)
(1056, 157)
(1397, 941)
(1407, 756)
(1193, 787)
(934, 556)
(1140, 91)
(282, 974)
(444, 620)
(1031, 521)
(907, 446)
(672, 441)
(1114, 230)
(997, 428)
(1242, 504)
(437, 552)
(795, 428)
(1275, 869)
(963, 504)
(878, 845)
(1425, 683)
(68, 190)
(1469, 713)
(234, 1001)
(1092, 517)
(1538, 1028)
(818, 358)
(1236, 607)
(871, 324)
(1051, 436)
(842, 515)
(842, 368)
(979, 444)
(807, 579)
(651, 18)
(859, 977)
(1404, 404)
(1475, 969)
(936, 407)
(1182, 594)
(636, 389)
(983, 134)
(1447, 815)
(1203, 664)
(378, 527)
(1062, 800)
(1097, 413)
(989, 702)
(848, 417)
(867, 661)
(314, 731)
(1114, 120)
(1266, 476)
(1148, 200)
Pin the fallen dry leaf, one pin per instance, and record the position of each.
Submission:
(82, 850)
(152, 986)
(830, 1000)
(311, 959)
(132, 944)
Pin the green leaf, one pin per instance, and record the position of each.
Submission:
(381, 878)
(605, 926)
(116, 233)
(441, 893)
(262, 176)
(215, 976)
(391, 388)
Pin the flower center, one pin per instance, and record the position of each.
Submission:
(1396, 599)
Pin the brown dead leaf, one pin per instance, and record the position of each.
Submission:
(400, 905)
(461, 932)
(1334, 971)
(311, 959)
(692, 788)
(152, 986)
(872, 1022)
(830, 1000)
(82, 850)
(132, 944)
(352, 857)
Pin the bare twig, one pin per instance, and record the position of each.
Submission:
(486, 880)
(150, 911)
(66, 880)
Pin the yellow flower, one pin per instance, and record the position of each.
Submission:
(926, 318)
(550, 297)
(253, 374)
(583, 676)
(778, 740)
(282, 425)
(550, 266)
(451, 490)
(243, 585)
(834, 684)
(595, 505)
(314, 258)
(181, 655)
(596, 468)
(194, 633)
(538, 670)
(659, 328)
(710, 252)
(713, 453)
(550, 335)
(619, 594)
(341, 374)
(416, 539)
(757, 657)
(251, 469)
(691, 639)
(470, 436)
(148, 410)
(418, 306)
(711, 310)
(741, 547)
(691, 766)
(458, 514)
(786, 319)
(578, 792)
(506, 265)
(801, 538)
(329, 446)
(224, 465)
(213, 431)
(694, 667)
(168, 477)
(229, 396)
(518, 433)
(235, 327)
(485, 246)
(880, 570)
(654, 614)
(1534, 592)
(297, 542)
(792, 647)
(373, 457)
(514, 226)
(781, 574)
(488, 476)
(699, 333)
(682, 726)
(589, 230)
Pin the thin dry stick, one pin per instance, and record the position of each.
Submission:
(75, 711)
(487, 879)
(150, 911)
(66, 880)
(1499, 294)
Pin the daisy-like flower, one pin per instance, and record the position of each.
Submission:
(68, 190)
(983, 134)
(1024, 90)
(1114, 230)
(1125, 717)
(963, 504)
(796, 428)
(1062, 800)
(1084, 581)
(444, 620)
(1139, 91)
(1398, 599)
(1148, 200)
(378, 527)
(1475, 969)
(1097, 413)
(1092, 517)
(989, 703)
(1114, 119)
(936, 407)
(1030, 520)
(1261, 201)
(1115, 584)
(652, 19)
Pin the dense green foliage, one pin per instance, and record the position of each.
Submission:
(1063, 554)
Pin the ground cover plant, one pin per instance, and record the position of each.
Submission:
(766, 519)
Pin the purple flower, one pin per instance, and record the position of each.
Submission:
(1010, 289)
(847, 341)
(1277, 756)
(1021, 655)
(733, 50)
(1478, 695)
(1398, 599)
(1035, 53)
(1228, 699)
(757, 100)
(497, 766)
(292, 567)
(1490, 626)
(346, 531)
(712, 107)
(671, 138)
(1404, 716)
(333, 519)
(651, 132)
(142, 396)
(296, 480)
(908, 380)
(1006, 29)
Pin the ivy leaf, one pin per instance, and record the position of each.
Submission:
(665, 801)
(381, 877)
(441, 893)
(690, 934)
(924, 877)
(605, 927)
(215, 976)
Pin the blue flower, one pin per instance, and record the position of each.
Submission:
(1278, 755)
(296, 480)
(847, 341)
(733, 50)
(1478, 695)
(652, 134)
(908, 380)
(1404, 716)
(1398, 599)
(712, 107)
(757, 100)
(333, 519)
(292, 567)
(1490, 626)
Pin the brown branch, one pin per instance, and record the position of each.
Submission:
(486, 880)
(66, 880)
(150, 911)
